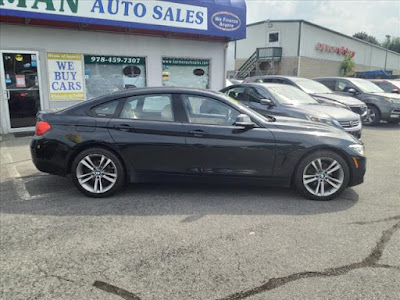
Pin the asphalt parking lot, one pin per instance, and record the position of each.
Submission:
(155, 241)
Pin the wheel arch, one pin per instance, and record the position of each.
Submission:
(97, 144)
(338, 151)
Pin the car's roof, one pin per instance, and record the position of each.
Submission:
(260, 84)
(158, 90)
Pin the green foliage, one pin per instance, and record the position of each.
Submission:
(392, 44)
(366, 37)
(347, 66)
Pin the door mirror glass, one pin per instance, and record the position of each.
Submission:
(267, 102)
(244, 120)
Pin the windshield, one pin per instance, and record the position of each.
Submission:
(312, 87)
(366, 86)
(289, 95)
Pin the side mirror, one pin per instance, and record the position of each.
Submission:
(352, 91)
(396, 91)
(267, 102)
(244, 120)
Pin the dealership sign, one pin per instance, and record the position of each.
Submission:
(333, 49)
(201, 17)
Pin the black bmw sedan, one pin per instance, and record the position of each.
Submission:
(158, 134)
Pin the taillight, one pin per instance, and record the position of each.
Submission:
(42, 127)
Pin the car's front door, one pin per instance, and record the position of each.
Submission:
(217, 147)
(148, 134)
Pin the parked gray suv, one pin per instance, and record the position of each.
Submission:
(381, 105)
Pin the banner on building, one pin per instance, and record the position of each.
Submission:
(66, 79)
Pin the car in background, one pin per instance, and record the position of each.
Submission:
(274, 99)
(381, 105)
(389, 86)
(317, 90)
(160, 134)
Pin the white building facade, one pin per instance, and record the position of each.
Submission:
(58, 53)
(309, 50)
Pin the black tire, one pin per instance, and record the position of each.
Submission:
(305, 162)
(375, 120)
(116, 164)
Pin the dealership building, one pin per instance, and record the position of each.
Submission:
(301, 48)
(55, 53)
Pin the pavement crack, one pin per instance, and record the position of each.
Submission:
(112, 289)
(371, 261)
(377, 221)
(47, 274)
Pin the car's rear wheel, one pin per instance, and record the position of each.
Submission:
(373, 116)
(322, 175)
(97, 172)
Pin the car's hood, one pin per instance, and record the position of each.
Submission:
(314, 128)
(340, 114)
(386, 95)
(350, 101)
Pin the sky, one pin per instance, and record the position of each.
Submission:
(376, 17)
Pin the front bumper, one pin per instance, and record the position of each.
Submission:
(390, 111)
(357, 170)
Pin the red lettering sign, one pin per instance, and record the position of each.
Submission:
(338, 50)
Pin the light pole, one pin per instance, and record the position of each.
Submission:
(387, 46)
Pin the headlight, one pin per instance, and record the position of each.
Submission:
(330, 122)
(392, 100)
(359, 149)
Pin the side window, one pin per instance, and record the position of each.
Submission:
(329, 83)
(237, 93)
(256, 94)
(387, 87)
(148, 107)
(107, 109)
(273, 37)
(204, 110)
(343, 86)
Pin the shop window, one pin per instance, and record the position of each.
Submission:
(186, 72)
(108, 74)
(148, 107)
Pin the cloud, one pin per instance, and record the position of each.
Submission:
(377, 18)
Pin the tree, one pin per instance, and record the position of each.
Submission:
(366, 37)
(392, 44)
(347, 66)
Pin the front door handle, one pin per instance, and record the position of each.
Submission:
(197, 133)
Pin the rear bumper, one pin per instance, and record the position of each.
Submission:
(357, 170)
(48, 156)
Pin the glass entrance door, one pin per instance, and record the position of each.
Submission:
(21, 86)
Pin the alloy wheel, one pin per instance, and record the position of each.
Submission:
(323, 176)
(370, 118)
(96, 173)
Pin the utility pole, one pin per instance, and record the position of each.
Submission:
(387, 47)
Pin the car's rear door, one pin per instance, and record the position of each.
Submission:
(148, 134)
(217, 147)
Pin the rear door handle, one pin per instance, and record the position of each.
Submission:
(197, 133)
(123, 127)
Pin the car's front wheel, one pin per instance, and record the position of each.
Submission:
(322, 175)
(97, 172)
(373, 116)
